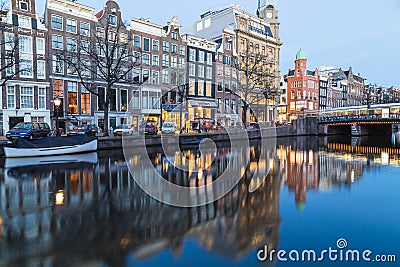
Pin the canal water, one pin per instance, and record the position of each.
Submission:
(319, 194)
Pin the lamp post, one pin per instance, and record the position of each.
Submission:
(181, 90)
(57, 103)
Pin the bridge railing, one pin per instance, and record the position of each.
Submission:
(359, 118)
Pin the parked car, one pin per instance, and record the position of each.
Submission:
(124, 130)
(148, 127)
(29, 130)
(88, 129)
(168, 127)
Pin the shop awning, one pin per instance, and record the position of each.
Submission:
(203, 103)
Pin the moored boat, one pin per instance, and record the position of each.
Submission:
(50, 146)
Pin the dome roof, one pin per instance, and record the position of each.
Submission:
(300, 55)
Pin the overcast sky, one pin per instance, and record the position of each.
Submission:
(363, 34)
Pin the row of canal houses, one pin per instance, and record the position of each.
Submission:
(169, 62)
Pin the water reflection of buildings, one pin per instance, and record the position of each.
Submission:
(333, 165)
(95, 212)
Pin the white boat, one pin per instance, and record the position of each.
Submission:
(50, 146)
(51, 160)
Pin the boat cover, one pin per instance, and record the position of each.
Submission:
(46, 142)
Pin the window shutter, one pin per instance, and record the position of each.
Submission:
(15, 20)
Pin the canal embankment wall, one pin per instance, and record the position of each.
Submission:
(301, 127)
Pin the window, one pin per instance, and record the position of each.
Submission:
(42, 98)
(173, 80)
(165, 61)
(84, 28)
(201, 56)
(228, 46)
(136, 41)
(100, 98)
(85, 67)
(155, 45)
(209, 59)
(40, 46)
(85, 101)
(26, 97)
(113, 100)
(145, 76)
(209, 73)
(146, 44)
(181, 63)
(192, 54)
(72, 65)
(71, 45)
(226, 106)
(10, 66)
(174, 49)
(136, 58)
(200, 88)
(58, 64)
(100, 32)
(154, 77)
(165, 77)
(25, 44)
(234, 86)
(208, 88)
(233, 106)
(165, 46)
(124, 100)
(174, 36)
(112, 20)
(155, 60)
(136, 99)
(9, 41)
(23, 5)
(24, 22)
(26, 66)
(146, 59)
(57, 22)
(145, 99)
(220, 70)
(174, 62)
(71, 25)
(10, 97)
(182, 77)
(84, 47)
(191, 87)
(101, 50)
(219, 102)
(136, 75)
(219, 85)
(200, 72)
(41, 69)
(182, 50)
(57, 41)
(226, 85)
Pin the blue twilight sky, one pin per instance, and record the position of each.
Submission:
(364, 34)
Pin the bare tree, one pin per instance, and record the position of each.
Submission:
(102, 60)
(10, 47)
(253, 78)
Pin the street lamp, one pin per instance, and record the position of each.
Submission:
(181, 90)
(57, 103)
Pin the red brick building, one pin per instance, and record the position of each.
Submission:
(303, 87)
